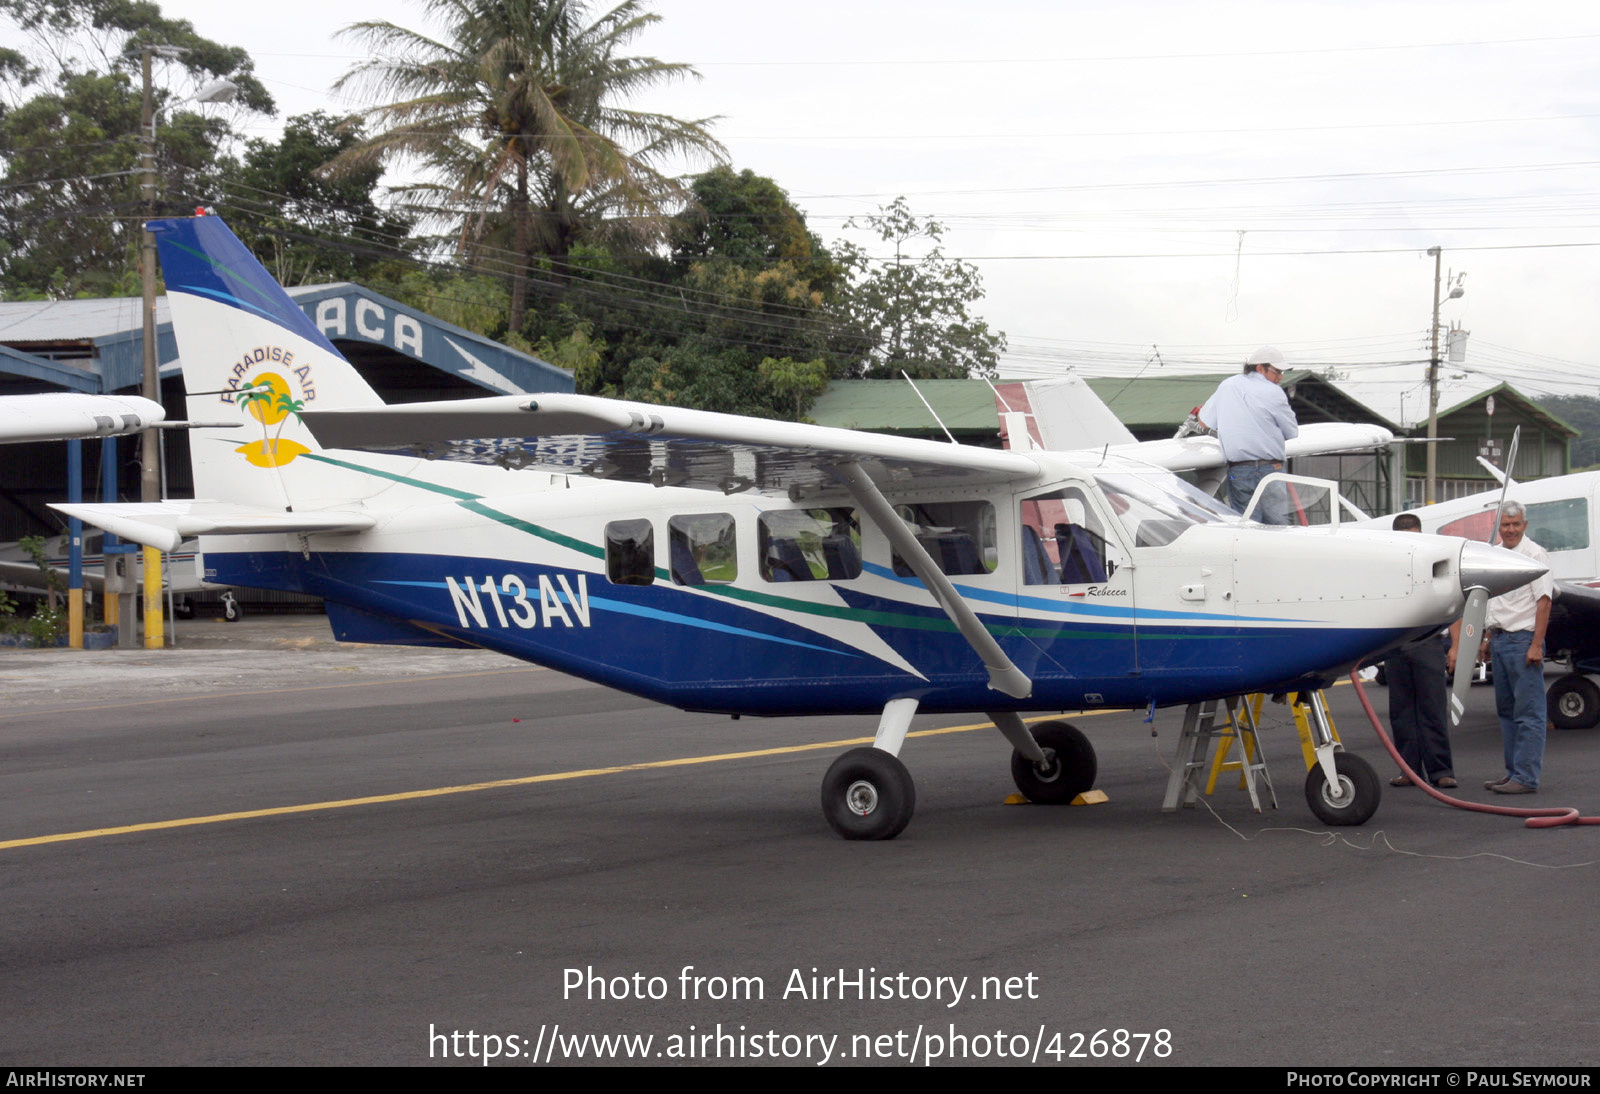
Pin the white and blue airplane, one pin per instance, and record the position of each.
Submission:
(740, 566)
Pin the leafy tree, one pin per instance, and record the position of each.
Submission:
(917, 307)
(801, 380)
(307, 228)
(70, 201)
(747, 219)
(515, 113)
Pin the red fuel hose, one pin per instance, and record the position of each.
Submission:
(1553, 817)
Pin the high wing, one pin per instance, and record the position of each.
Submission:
(164, 525)
(665, 446)
(1205, 453)
(672, 446)
(60, 416)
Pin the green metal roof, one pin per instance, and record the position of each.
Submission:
(887, 406)
(1148, 403)
(1154, 402)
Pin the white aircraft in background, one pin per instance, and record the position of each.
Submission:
(1564, 519)
(64, 416)
(19, 573)
(742, 566)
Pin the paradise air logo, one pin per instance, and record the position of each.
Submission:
(269, 399)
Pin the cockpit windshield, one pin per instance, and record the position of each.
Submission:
(1156, 507)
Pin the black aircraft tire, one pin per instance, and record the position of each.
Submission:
(1361, 792)
(1070, 771)
(868, 794)
(1574, 703)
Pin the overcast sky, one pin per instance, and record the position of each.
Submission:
(1100, 161)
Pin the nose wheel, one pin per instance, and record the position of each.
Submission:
(1358, 795)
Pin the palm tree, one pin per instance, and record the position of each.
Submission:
(517, 105)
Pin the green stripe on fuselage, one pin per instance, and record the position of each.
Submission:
(474, 503)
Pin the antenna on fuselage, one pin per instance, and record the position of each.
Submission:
(929, 405)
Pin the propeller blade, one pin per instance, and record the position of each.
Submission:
(1467, 652)
(1506, 483)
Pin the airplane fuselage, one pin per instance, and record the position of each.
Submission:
(757, 605)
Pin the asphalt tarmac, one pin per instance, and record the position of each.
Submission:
(268, 848)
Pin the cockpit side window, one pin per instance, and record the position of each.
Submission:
(1063, 541)
(1157, 507)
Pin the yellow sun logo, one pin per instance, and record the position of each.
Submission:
(268, 401)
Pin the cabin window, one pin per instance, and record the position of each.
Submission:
(1063, 541)
(704, 550)
(1478, 526)
(960, 535)
(630, 552)
(1559, 525)
(810, 545)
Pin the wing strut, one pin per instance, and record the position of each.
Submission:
(1003, 675)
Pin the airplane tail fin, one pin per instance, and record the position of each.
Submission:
(251, 355)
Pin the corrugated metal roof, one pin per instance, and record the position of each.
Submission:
(29, 321)
(109, 332)
(25, 321)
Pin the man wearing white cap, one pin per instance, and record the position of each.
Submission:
(1251, 416)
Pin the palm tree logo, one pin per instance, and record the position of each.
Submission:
(268, 400)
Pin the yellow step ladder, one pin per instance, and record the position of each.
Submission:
(1230, 720)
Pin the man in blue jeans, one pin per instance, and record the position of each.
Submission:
(1514, 638)
(1252, 417)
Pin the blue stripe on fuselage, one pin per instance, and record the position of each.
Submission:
(746, 659)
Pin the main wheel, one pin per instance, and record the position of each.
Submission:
(1069, 768)
(1574, 702)
(868, 794)
(1359, 791)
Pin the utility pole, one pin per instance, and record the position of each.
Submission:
(1455, 293)
(150, 448)
(1433, 385)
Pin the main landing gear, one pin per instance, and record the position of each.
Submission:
(869, 794)
(1574, 702)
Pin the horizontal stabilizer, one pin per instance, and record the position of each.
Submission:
(165, 524)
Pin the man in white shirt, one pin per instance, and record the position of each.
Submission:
(1514, 637)
(1252, 418)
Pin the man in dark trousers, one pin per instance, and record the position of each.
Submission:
(1419, 695)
